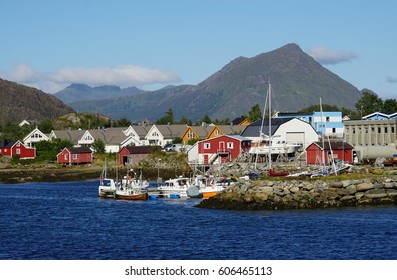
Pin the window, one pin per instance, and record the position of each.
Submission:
(207, 146)
(65, 156)
(333, 130)
(327, 119)
(379, 130)
(229, 145)
(155, 134)
(216, 132)
(74, 156)
(18, 151)
(385, 129)
(190, 135)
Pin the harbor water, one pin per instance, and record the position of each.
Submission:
(69, 221)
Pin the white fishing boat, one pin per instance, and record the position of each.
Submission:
(132, 187)
(175, 188)
(107, 186)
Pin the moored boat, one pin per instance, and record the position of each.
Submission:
(107, 186)
(177, 186)
(131, 194)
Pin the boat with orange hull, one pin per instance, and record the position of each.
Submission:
(126, 195)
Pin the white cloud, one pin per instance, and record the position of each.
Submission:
(325, 56)
(121, 75)
(391, 79)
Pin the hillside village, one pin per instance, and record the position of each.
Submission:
(296, 137)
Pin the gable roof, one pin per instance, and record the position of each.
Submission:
(79, 150)
(139, 149)
(8, 143)
(34, 131)
(171, 131)
(141, 130)
(233, 136)
(334, 145)
(254, 129)
(72, 135)
(200, 131)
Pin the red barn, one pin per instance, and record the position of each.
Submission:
(16, 148)
(78, 155)
(220, 149)
(134, 154)
(340, 150)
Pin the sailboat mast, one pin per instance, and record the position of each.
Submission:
(322, 135)
(270, 124)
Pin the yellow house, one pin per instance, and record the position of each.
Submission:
(196, 132)
(218, 130)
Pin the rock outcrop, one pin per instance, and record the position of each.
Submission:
(296, 194)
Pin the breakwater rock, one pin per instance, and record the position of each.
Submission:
(295, 194)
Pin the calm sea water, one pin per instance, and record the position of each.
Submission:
(68, 221)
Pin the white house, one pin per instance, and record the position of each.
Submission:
(137, 133)
(34, 137)
(290, 130)
(160, 135)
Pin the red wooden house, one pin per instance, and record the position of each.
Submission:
(78, 155)
(315, 154)
(16, 148)
(135, 154)
(220, 149)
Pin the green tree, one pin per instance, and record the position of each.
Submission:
(184, 120)
(98, 146)
(206, 119)
(390, 106)
(123, 122)
(369, 103)
(12, 131)
(168, 118)
(46, 126)
(255, 113)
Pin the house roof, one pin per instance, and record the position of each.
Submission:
(109, 136)
(231, 129)
(171, 131)
(335, 145)
(73, 135)
(139, 149)
(141, 130)
(283, 114)
(201, 131)
(7, 143)
(254, 129)
(79, 150)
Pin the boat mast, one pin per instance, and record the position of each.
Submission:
(270, 124)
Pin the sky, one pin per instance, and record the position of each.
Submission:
(49, 44)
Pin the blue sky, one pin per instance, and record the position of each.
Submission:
(51, 44)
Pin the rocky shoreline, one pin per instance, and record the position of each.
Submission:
(297, 194)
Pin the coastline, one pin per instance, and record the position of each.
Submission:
(48, 173)
(305, 194)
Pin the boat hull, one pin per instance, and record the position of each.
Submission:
(141, 196)
(106, 193)
(209, 194)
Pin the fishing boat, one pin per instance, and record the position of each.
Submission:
(211, 190)
(175, 188)
(129, 193)
(132, 188)
(107, 187)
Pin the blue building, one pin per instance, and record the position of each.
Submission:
(327, 123)
(380, 116)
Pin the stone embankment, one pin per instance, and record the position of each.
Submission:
(296, 194)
